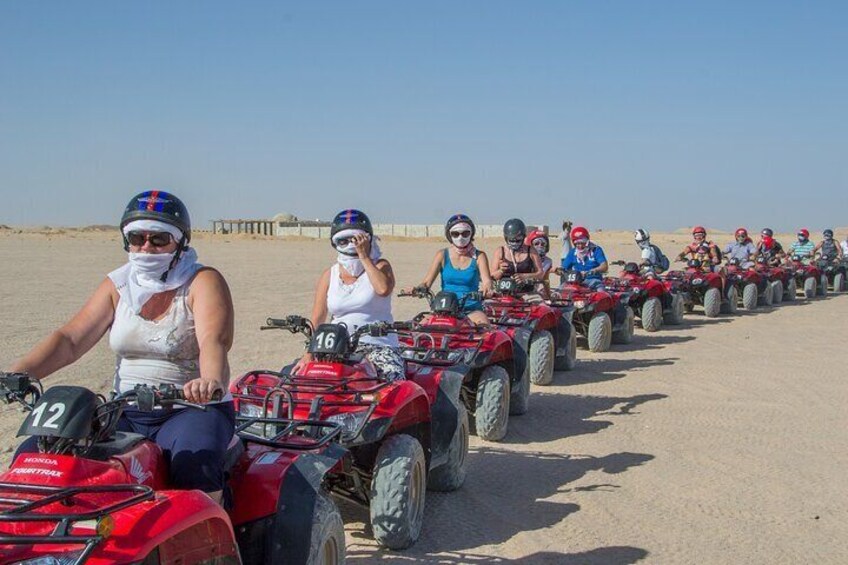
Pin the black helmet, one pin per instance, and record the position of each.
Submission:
(828, 233)
(514, 229)
(351, 220)
(768, 232)
(459, 219)
(158, 205)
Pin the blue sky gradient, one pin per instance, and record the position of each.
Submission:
(616, 114)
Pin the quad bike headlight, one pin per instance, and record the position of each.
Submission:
(68, 558)
(350, 421)
(697, 281)
(579, 303)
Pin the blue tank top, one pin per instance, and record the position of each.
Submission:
(462, 281)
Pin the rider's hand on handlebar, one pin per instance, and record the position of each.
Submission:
(201, 391)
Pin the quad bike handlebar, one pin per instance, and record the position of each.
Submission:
(20, 388)
(426, 293)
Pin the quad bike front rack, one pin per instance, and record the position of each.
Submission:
(425, 350)
(19, 503)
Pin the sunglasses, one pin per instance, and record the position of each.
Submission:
(156, 239)
(466, 233)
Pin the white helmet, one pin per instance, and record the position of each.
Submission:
(641, 236)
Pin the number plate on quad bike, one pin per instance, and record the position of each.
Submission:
(505, 286)
(330, 339)
(62, 411)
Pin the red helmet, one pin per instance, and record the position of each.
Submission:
(537, 234)
(579, 233)
(804, 232)
(699, 229)
(768, 241)
(742, 231)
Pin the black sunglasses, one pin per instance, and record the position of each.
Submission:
(156, 239)
(466, 233)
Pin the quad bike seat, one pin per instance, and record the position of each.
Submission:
(120, 443)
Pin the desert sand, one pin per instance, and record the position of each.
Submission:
(721, 441)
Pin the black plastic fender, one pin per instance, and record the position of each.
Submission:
(563, 333)
(444, 413)
(289, 536)
(520, 352)
(619, 313)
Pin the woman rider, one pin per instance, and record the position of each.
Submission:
(462, 267)
(357, 290)
(828, 247)
(538, 240)
(170, 321)
(516, 259)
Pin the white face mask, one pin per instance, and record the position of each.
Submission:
(461, 242)
(149, 267)
(348, 250)
(352, 265)
(515, 245)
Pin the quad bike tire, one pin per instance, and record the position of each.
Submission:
(810, 287)
(750, 294)
(569, 360)
(599, 334)
(767, 297)
(541, 359)
(652, 314)
(776, 292)
(838, 282)
(492, 412)
(327, 546)
(451, 475)
(398, 490)
(625, 334)
(730, 305)
(791, 292)
(674, 316)
(712, 302)
(822, 290)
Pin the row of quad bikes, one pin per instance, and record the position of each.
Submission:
(94, 494)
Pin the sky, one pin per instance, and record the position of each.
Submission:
(614, 114)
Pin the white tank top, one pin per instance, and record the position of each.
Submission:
(155, 352)
(357, 304)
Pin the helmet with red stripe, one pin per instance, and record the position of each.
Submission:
(351, 220)
(699, 229)
(804, 232)
(158, 205)
(742, 232)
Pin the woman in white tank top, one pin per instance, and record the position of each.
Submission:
(357, 290)
(170, 322)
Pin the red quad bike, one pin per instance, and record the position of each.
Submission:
(403, 436)
(650, 300)
(543, 335)
(601, 317)
(781, 282)
(750, 283)
(699, 286)
(809, 277)
(95, 495)
(834, 271)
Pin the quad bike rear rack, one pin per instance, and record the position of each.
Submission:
(21, 510)
(512, 315)
(438, 355)
(273, 398)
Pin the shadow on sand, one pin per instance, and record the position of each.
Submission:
(597, 369)
(506, 493)
(613, 555)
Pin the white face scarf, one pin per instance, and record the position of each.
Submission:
(347, 256)
(463, 244)
(141, 278)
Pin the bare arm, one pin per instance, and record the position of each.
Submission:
(319, 313)
(495, 269)
(483, 268)
(435, 269)
(212, 305)
(74, 339)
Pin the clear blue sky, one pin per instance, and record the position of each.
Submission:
(617, 114)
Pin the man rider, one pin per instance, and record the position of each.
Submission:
(828, 247)
(700, 248)
(743, 249)
(769, 248)
(586, 257)
(652, 256)
(803, 248)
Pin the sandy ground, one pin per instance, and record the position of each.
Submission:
(724, 441)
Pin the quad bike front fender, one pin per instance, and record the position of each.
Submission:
(444, 413)
(563, 334)
(275, 525)
(520, 352)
